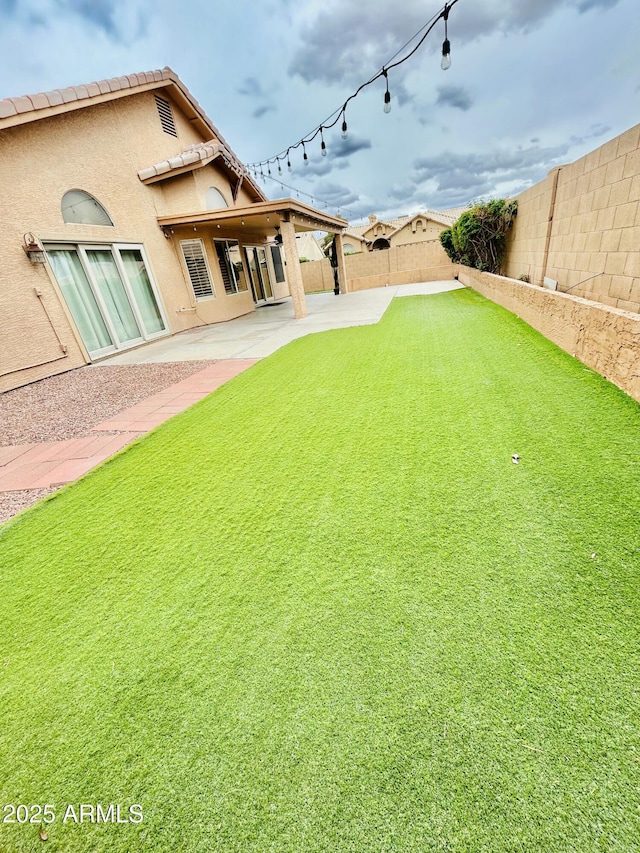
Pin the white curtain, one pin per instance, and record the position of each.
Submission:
(79, 298)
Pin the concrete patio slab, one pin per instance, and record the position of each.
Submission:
(262, 332)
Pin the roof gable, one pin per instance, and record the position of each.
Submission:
(27, 108)
(427, 216)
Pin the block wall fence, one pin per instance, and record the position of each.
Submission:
(604, 338)
(581, 226)
(425, 261)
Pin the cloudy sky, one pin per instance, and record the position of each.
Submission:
(532, 83)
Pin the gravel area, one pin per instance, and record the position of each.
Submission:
(11, 503)
(69, 405)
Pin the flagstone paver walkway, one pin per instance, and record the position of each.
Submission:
(54, 463)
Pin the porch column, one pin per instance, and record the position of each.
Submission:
(294, 275)
(342, 266)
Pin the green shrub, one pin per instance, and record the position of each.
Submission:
(478, 237)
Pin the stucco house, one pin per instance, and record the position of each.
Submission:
(126, 216)
(388, 233)
(308, 247)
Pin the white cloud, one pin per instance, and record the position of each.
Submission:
(268, 73)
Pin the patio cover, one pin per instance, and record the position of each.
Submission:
(261, 220)
(260, 217)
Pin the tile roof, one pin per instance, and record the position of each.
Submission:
(87, 92)
(454, 212)
(44, 104)
(194, 156)
(444, 217)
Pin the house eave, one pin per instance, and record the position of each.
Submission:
(264, 216)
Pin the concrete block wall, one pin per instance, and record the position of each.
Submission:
(595, 229)
(424, 261)
(526, 243)
(603, 337)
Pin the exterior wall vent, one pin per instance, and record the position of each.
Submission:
(166, 116)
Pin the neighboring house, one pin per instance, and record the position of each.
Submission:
(308, 247)
(137, 220)
(387, 234)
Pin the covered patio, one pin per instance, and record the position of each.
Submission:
(261, 224)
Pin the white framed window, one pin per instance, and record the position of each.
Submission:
(81, 208)
(110, 293)
(231, 268)
(197, 268)
(215, 200)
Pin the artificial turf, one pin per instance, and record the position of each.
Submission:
(323, 610)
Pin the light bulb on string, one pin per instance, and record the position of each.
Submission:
(445, 62)
(387, 94)
(341, 113)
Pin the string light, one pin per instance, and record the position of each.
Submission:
(445, 62)
(387, 94)
(305, 158)
(313, 199)
(341, 113)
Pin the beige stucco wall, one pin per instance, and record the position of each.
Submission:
(416, 232)
(595, 229)
(356, 245)
(98, 149)
(422, 261)
(604, 338)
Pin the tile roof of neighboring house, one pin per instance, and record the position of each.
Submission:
(27, 108)
(355, 232)
(454, 212)
(444, 217)
(359, 230)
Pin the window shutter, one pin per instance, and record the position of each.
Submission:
(194, 258)
(166, 116)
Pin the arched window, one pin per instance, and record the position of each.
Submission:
(380, 243)
(80, 208)
(348, 249)
(215, 200)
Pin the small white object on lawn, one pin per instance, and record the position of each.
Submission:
(515, 458)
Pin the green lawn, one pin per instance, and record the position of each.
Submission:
(323, 610)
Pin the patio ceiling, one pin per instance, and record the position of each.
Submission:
(261, 217)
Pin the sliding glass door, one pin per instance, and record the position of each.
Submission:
(105, 273)
(259, 273)
(80, 300)
(110, 295)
